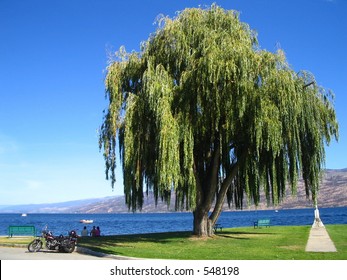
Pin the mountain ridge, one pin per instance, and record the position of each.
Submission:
(333, 193)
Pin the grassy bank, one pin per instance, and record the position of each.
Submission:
(275, 243)
(21, 241)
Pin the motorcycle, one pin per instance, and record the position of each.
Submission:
(61, 243)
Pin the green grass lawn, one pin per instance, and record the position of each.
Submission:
(274, 243)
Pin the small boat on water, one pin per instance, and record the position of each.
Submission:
(24, 215)
(86, 221)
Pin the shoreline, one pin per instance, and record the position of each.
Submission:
(272, 208)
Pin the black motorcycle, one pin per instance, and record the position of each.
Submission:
(61, 243)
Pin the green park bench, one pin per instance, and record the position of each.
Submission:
(217, 227)
(262, 223)
(21, 230)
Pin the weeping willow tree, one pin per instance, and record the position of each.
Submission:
(201, 111)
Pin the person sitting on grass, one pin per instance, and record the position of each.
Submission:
(93, 232)
(84, 231)
(97, 233)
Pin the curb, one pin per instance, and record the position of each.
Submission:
(84, 250)
(13, 245)
(80, 250)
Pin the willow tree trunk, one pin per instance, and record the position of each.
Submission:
(203, 226)
(204, 221)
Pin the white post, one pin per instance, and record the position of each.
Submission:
(317, 221)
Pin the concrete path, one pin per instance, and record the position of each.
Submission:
(319, 240)
(86, 251)
(20, 253)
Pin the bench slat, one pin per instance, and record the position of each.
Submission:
(20, 230)
(262, 222)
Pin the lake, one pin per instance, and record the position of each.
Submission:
(116, 224)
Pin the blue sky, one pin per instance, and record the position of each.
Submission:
(53, 56)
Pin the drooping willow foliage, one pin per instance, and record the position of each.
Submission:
(202, 109)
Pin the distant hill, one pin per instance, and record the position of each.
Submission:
(333, 193)
(61, 207)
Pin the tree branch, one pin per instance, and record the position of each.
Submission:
(213, 180)
(198, 184)
(223, 191)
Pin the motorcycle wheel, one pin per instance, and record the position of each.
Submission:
(69, 247)
(35, 245)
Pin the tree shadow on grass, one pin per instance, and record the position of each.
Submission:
(243, 234)
(109, 244)
(162, 238)
(114, 244)
(118, 240)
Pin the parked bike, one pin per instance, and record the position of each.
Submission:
(61, 243)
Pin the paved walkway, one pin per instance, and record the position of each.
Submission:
(319, 240)
(82, 250)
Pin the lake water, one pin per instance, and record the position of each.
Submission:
(115, 224)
